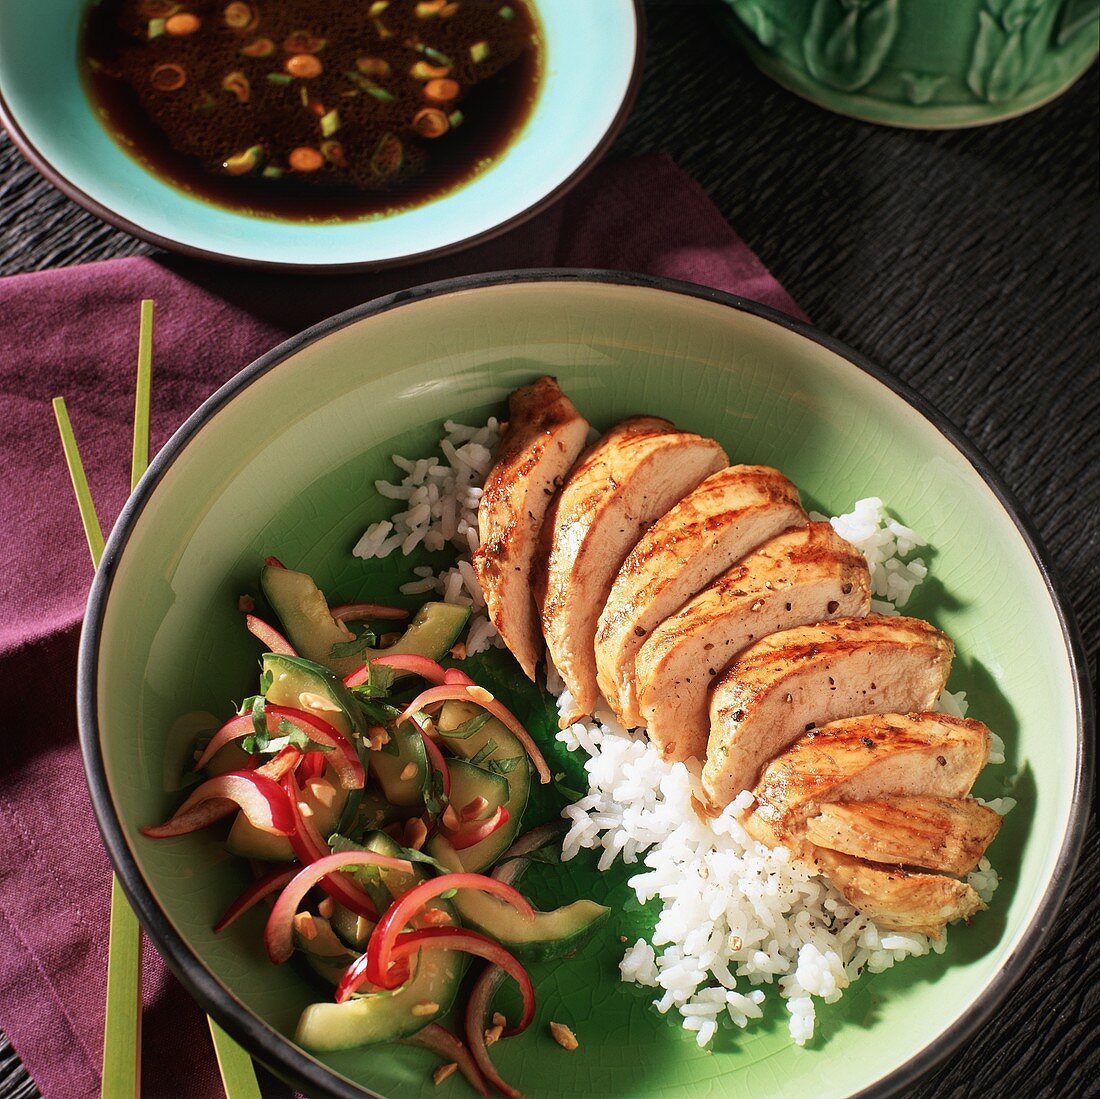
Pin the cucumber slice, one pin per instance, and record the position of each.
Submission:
(385, 1016)
(325, 799)
(352, 929)
(432, 633)
(331, 970)
(311, 629)
(389, 766)
(373, 813)
(491, 743)
(292, 677)
(467, 783)
(327, 955)
(549, 935)
(304, 613)
(384, 885)
(324, 943)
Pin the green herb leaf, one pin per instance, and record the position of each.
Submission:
(248, 703)
(489, 748)
(565, 791)
(363, 641)
(381, 713)
(339, 842)
(467, 728)
(435, 800)
(503, 766)
(261, 740)
(379, 681)
(259, 717)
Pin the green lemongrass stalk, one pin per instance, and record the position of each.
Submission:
(122, 1025)
(93, 532)
(140, 460)
(237, 1072)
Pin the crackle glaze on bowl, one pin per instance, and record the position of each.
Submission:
(282, 460)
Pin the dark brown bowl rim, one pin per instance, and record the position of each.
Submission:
(66, 186)
(278, 1051)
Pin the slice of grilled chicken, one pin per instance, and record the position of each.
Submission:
(945, 834)
(805, 575)
(628, 479)
(864, 759)
(808, 675)
(725, 517)
(545, 436)
(899, 900)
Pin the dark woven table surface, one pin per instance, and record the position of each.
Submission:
(967, 263)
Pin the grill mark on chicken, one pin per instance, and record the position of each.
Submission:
(629, 478)
(544, 436)
(725, 517)
(790, 580)
(937, 833)
(878, 664)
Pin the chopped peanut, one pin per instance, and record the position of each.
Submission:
(444, 1071)
(493, 1034)
(427, 1007)
(499, 1020)
(458, 650)
(304, 925)
(479, 694)
(322, 791)
(327, 907)
(450, 819)
(563, 1036)
(310, 701)
(436, 917)
(408, 772)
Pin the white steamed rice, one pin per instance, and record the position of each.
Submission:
(441, 495)
(733, 914)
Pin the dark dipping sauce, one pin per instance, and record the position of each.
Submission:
(313, 110)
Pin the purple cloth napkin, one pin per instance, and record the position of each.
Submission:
(74, 333)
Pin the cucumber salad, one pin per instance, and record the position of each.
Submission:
(378, 798)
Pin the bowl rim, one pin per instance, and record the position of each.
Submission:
(71, 190)
(277, 1050)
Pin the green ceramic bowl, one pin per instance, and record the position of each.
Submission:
(936, 64)
(281, 461)
(592, 57)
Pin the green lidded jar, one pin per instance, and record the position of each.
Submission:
(920, 63)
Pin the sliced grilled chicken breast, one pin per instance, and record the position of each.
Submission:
(786, 682)
(898, 900)
(629, 478)
(947, 834)
(805, 575)
(725, 517)
(862, 759)
(544, 438)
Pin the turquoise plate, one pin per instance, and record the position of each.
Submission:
(282, 461)
(592, 56)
